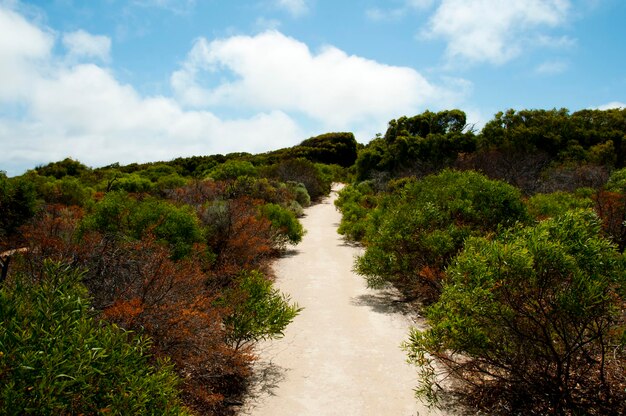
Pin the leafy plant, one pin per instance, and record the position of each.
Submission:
(415, 231)
(286, 227)
(258, 311)
(531, 322)
(57, 359)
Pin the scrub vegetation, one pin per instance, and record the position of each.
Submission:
(510, 241)
(143, 289)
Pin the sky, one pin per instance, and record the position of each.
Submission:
(106, 81)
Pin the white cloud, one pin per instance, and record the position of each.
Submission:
(52, 107)
(271, 70)
(612, 105)
(82, 111)
(551, 68)
(296, 8)
(493, 31)
(83, 44)
(20, 54)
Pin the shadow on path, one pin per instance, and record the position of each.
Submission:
(384, 301)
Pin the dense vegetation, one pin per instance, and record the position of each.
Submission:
(143, 289)
(57, 359)
(511, 243)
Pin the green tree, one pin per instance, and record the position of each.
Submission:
(65, 167)
(330, 148)
(416, 145)
(529, 322)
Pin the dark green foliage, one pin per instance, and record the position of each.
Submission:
(413, 233)
(258, 310)
(427, 123)
(304, 172)
(18, 202)
(416, 146)
(66, 167)
(120, 215)
(531, 322)
(330, 148)
(232, 169)
(285, 225)
(541, 206)
(581, 136)
(57, 360)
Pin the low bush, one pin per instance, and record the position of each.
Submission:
(415, 231)
(57, 359)
(258, 311)
(531, 322)
(285, 226)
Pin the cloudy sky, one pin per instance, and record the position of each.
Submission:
(106, 81)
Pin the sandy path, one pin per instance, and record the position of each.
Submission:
(341, 355)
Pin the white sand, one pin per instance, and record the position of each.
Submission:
(341, 355)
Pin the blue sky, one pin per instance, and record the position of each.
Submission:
(106, 81)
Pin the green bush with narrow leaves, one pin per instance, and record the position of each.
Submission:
(414, 232)
(232, 169)
(531, 322)
(56, 359)
(121, 215)
(543, 206)
(617, 181)
(355, 203)
(285, 225)
(258, 310)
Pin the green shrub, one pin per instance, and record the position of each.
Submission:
(414, 232)
(355, 203)
(300, 193)
(232, 169)
(18, 203)
(172, 181)
(56, 359)
(119, 214)
(617, 181)
(530, 323)
(312, 176)
(66, 191)
(133, 183)
(285, 225)
(543, 206)
(258, 310)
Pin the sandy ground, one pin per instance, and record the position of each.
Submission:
(341, 355)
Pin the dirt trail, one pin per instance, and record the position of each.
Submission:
(341, 355)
